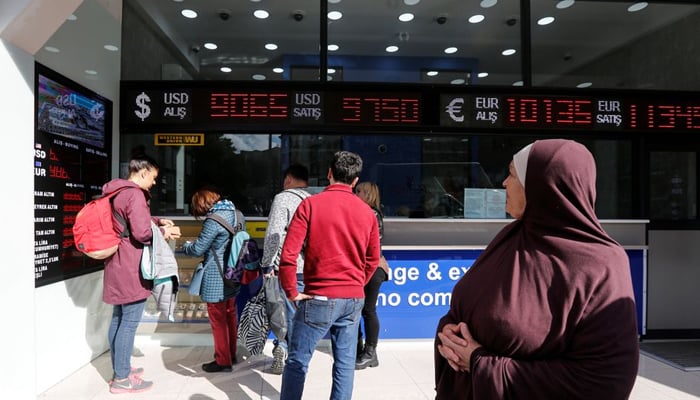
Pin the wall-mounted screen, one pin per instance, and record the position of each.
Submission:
(71, 163)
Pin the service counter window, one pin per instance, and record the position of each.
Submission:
(419, 175)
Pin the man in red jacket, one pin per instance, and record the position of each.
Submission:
(341, 254)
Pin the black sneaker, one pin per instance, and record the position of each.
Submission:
(214, 367)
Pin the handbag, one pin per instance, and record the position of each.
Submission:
(196, 282)
(253, 327)
(275, 306)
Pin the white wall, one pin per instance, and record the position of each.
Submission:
(51, 331)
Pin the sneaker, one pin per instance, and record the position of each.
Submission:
(214, 367)
(279, 355)
(135, 372)
(132, 384)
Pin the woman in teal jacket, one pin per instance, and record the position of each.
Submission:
(221, 300)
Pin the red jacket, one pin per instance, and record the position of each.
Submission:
(342, 245)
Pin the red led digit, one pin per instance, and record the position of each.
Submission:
(528, 110)
(351, 107)
(667, 117)
(410, 110)
(278, 108)
(633, 116)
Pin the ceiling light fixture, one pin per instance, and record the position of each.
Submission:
(392, 49)
(458, 81)
(432, 73)
(508, 52)
(259, 77)
(482, 74)
(187, 13)
(271, 46)
(261, 14)
(333, 47)
(637, 6)
(111, 47)
(406, 17)
(334, 1)
(335, 15)
(278, 70)
(584, 85)
(225, 69)
(52, 49)
(488, 3)
(91, 72)
(450, 50)
(411, 2)
(565, 4)
(545, 21)
(518, 83)
(72, 17)
(330, 70)
(210, 46)
(475, 19)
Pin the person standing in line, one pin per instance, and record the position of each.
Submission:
(547, 311)
(123, 286)
(220, 299)
(340, 238)
(367, 352)
(285, 203)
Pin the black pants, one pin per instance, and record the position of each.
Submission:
(369, 311)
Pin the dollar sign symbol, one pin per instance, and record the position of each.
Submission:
(144, 110)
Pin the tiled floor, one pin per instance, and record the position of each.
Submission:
(405, 372)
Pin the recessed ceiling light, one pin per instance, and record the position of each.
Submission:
(637, 6)
(72, 17)
(411, 2)
(545, 21)
(508, 52)
(111, 47)
(483, 74)
(488, 3)
(432, 73)
(52, 49)
(210, 46)
(91, 72)
(333, 47)
(475, 19)
(458, 81)
(392, 49)
(334, 1)
(405, 17)
(255, 1)
(271, 46)
(278, 70)
(225, 69)
(329, 78)
(565, 4)
(178, 1)
(450, 50)
(259, 77)
(518, 83)
(335, 15)
(187, 13)
(261, 14)
(584, 85)
(331, 70)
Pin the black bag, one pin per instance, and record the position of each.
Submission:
(254, 327)
(275, 306)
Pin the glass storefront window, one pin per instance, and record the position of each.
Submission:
(419, 176)
(672, 185)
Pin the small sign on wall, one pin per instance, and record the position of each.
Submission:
(178, 139)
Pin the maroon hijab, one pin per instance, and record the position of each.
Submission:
(550, 299)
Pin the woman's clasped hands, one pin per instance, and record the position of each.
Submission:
(456, 345)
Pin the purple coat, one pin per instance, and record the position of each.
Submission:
(123, 283)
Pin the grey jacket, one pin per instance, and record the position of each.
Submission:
(159, 264)
(282, 210)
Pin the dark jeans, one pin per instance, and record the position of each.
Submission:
(369, 311)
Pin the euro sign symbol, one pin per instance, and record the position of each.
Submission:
(144, 110)
(455, 108)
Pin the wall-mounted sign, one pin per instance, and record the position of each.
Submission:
(178, 139)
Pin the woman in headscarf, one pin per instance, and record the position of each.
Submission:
(547, 311)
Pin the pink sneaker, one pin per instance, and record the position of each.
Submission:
(136, 372)
(132, 384)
